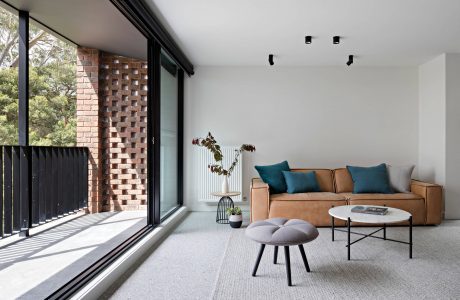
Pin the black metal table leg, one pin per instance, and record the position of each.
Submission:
(384, 228)
(410, 237)
(371, 235)
(288, 264)
(259, 256)
(224, 203)
(349, 247)
(384, 231)
(304, 257)
(275, 256)
(333, 227)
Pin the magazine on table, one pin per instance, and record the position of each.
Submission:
(370, 210)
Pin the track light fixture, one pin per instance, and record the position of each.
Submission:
(336, 40)
(308, 39)
(350, 60)
(270, 59)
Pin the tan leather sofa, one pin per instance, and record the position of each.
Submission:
(424, 202)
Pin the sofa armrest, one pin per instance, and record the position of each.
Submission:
(433, 200)
(260, 200)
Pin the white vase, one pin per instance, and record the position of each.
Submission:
(225, 185)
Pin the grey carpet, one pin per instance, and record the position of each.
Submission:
(378, 270)
(183, 266)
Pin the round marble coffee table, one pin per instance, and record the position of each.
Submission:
(394, 215)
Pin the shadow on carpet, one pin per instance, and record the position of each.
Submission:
(378, 269)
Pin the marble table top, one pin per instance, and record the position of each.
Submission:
(393, 215)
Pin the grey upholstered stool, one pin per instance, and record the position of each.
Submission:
(282, 232)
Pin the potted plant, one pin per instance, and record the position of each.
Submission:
(235, 216)
(211, 144)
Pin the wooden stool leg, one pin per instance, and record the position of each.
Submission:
(259, 256)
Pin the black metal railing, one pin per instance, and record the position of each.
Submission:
(40, 184)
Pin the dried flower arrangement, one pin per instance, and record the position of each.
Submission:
(211, 144)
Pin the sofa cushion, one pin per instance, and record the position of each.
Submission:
(370, 179)
(400, 177)
(315, 212)
(396, 196)
(323, 196)
(342, 181)
(324, 177)
(299, 182)
(273, 176)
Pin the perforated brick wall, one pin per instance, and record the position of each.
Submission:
(122, 123)
(123, 83)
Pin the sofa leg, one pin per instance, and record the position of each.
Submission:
(259, 256)
(275, 256)
(288, 264)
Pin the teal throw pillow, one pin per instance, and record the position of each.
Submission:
(273, 176)
(370, 179)
(300, 182)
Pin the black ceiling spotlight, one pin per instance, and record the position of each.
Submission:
(350, 60)
(308, 39)
(336, 40)
(270, 59)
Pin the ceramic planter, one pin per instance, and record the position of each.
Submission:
(235, 220)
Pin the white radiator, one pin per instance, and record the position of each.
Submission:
(209, 182)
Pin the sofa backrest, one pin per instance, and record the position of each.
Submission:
(343, 181)
(324, 177)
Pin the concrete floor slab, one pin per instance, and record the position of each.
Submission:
(34, 267)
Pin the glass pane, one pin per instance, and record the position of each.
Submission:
(169, 136)
(52, 89)
(8, 78)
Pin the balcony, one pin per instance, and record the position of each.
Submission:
(34, 267)
(47, 237)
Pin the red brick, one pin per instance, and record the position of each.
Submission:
(111, 127)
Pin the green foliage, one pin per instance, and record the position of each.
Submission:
(52, 106)
(234, 211)
(8, 37)
(52, 86)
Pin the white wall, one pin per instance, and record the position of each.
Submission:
(439, 139)
(311, 116)
(452, 190)
(432, 125)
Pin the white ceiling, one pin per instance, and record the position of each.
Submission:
(89, 23)
(377, 32)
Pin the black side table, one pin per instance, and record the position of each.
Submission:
(224, 203)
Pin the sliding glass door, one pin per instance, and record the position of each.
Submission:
(169, 136)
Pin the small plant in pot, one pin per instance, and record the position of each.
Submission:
(235, 216)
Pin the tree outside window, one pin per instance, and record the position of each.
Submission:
(52, 86)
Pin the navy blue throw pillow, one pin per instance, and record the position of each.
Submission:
(370, 179)
(273, 176)
(300, 182)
